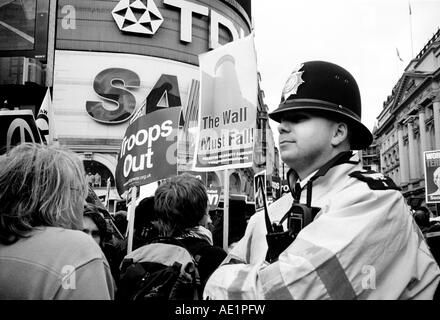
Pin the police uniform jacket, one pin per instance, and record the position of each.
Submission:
(363, 244)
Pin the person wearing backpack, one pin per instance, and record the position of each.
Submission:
(183, 257)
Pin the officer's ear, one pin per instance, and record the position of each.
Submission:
(340, 134)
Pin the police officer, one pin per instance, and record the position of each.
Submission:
(348, 233)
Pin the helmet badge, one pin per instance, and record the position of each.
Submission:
(293, 82)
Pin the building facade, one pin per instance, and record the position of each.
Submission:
(104, 59)
(409, 123)
(370, 158)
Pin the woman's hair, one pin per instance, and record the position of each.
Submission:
(40, 186)
(180, 203)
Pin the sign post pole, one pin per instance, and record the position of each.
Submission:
(107, 195)
(226, 210)
(131, 210)
(228, 103)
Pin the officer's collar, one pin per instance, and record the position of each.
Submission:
(292, 176)
(340, 158)
(296, 179)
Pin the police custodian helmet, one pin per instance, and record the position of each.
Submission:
(325, 87)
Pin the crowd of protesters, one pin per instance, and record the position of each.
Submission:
(57, 241)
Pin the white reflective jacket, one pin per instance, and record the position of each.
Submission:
(363, 244)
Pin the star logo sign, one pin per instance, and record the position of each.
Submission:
(135, 16)
(293, 82)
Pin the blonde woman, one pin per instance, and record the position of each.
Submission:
(43, 252)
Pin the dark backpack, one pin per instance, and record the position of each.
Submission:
(161, 270)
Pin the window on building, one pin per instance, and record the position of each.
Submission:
(428, 113)
(18, 25)
(97, 174)
(213, 180)
(234, 183)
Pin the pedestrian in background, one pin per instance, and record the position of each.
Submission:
(43, 252)
(96, 226)
(430, 230)
(422, 218)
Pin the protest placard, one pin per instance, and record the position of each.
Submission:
(227, 108)
(17, 126)
(432, 176)
(148, 149)
(259, 189)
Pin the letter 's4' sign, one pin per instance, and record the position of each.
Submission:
(112, 86)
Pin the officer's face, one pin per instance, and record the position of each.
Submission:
(305, 141)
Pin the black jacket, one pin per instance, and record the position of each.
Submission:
(207, 256)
